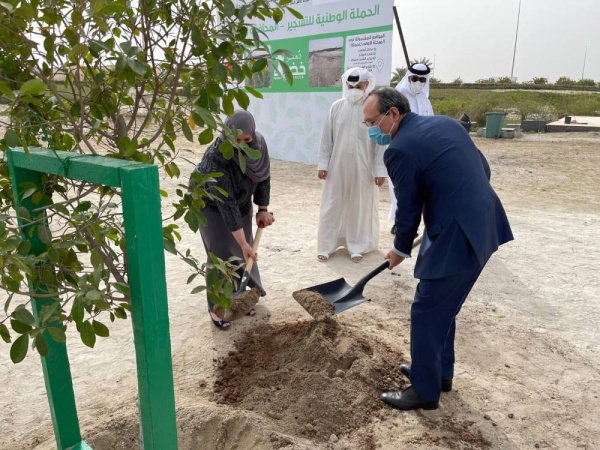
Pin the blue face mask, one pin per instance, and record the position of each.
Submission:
(379, 136)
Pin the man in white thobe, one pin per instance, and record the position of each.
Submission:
(351, 165)
(415, 87)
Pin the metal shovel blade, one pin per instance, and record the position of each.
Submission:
(342, 295)
(339, 293)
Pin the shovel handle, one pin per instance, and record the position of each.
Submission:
(380, 268)
(257, 236)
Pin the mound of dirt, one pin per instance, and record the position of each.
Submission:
(314, 303)
(314, 379)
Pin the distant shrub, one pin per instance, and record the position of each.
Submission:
(540, 80)
(486, 81)
(565, 81)
(586, 82)
(434, 80)
(548, 106)
(458, 80)
(504, 80)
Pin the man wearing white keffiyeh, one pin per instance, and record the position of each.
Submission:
(352, 168)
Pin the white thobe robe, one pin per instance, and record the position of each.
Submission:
(349, 214)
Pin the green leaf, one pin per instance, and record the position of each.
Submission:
(77, 310)
(187, 131)
(259, 65)
(100, 329)
(93, 295)
(33, 87)
(228, 107)
(295, 13)
(254, 92)
(53, 255)
(277, 15)
(9, 8)
(19, 327)
(96, 259)
(242, 99)
(7, 303)
(18, 350)
(207, 117)
(57, 334)
(23, 315)
(289, 77)
(6, 90)
(226, 149)
(88, 336)
(47, 311)
(122, 288)
(40, 344)
(120, 313)
(169, 246)
(4, 333)
(198, 289)
(206, 136)
(192, 277)
(169, 142)
(138, 67)
(11, 138)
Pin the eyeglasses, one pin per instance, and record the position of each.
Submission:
(371, 123)
(415, 78)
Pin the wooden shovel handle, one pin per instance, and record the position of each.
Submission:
(257, 236)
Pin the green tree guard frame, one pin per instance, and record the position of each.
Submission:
(146, 269)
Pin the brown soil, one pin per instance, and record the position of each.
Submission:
(241, 305)
(314, 303)
(314, 379)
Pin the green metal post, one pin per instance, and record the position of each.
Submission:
(146, 268)
(57, 371)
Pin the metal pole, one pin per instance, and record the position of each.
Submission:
(584, 58)
(516, 37)
(401, 37)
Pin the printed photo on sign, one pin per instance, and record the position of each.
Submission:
(325, 62)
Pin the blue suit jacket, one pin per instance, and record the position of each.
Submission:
(438, 172)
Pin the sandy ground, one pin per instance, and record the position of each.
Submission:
(528, 346)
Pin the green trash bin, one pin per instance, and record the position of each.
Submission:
(493, 124)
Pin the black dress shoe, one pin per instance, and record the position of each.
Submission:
(405, 370)
(407, 400)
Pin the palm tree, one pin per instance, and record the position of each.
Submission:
(397, 75)
(422, 60)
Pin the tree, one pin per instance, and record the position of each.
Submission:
(122, 79)
(540, 80)
(565, 81)
(397, 75)
(586, 82)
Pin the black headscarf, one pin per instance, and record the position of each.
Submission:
(256, 169)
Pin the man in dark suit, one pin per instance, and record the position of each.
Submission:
(438, 173)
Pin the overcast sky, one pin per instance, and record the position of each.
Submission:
(475, 39)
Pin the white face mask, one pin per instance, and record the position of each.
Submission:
(416, 87)
(355, 95)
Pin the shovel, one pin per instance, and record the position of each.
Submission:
(242, 301)
(339, 293)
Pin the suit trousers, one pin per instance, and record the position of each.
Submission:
(433, 326)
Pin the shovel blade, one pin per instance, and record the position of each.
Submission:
(340, 294)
